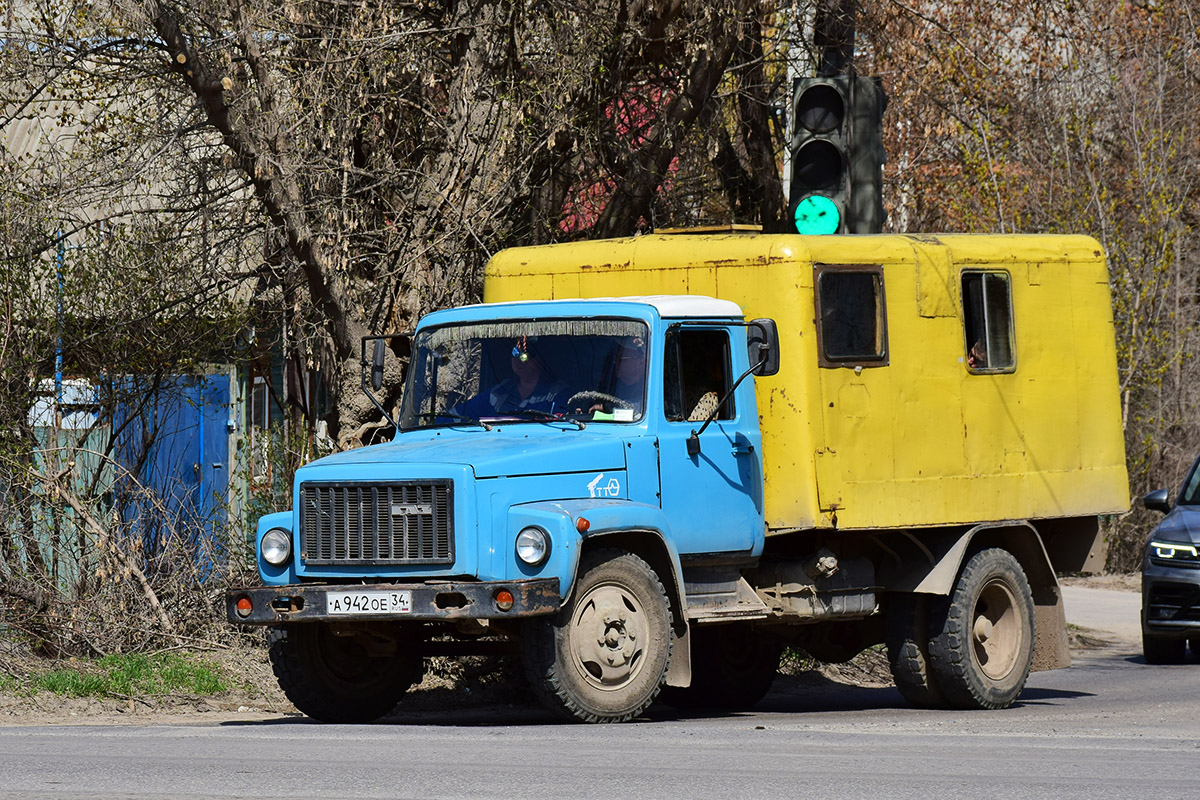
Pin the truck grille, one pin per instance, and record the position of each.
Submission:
(386, 523)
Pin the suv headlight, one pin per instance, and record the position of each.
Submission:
(1175, 551)
(533, 545)
(276, 547)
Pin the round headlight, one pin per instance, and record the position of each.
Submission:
(533, 545)
(276, 547)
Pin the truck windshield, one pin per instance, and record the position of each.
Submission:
(533, 370)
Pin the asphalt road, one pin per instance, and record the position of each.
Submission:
(1109, 727)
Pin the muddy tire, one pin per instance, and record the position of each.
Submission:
(982, 647)
(733, 667)
(1163, 649)
(907, 619)
(336, 678)
(603, 657)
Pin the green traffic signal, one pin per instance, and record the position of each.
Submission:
(817, 214)
(836, 154)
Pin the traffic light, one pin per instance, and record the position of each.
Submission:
(820, 150)
(837, 155)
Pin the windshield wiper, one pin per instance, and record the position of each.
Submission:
(542, 416)
(436, 415)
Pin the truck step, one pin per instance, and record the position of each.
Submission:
(714, 595)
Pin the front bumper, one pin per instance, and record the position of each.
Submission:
(1170, 600)
(431, 602)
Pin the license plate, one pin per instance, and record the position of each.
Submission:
(368, 602)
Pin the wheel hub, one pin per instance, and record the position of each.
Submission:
(610, 629)
(997, 630)
(617, 641)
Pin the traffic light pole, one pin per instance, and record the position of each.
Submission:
(833, 34)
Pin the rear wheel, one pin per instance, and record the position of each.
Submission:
(604, 656)
(733, 666)
(907, 619)
(1163, 649)
(340, 678)
(982, 647)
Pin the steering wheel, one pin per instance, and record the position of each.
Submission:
(589, 399)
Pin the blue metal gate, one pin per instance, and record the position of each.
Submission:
(173, 452)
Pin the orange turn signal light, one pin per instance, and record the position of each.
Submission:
(582, 525)
(244, 606)
(504, 600)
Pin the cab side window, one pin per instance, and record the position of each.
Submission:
(697, 374)
(851, 316)
(988, 322)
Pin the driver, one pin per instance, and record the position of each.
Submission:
(628, 382)
(630, 368)
(531, 387)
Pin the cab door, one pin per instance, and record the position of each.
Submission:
(713, 499)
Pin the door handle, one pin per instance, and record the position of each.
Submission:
(743, 449)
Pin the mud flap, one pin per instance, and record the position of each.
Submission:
(679, 673)
(1050, 647)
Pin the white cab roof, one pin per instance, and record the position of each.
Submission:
(667, 305)
(687, 305)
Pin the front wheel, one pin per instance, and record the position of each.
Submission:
(603, 657)
(1163, 649)
(982, 644)
(340, 678)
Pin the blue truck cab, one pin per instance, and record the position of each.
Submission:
(567, 478)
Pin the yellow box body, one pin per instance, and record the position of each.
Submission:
(919, 442)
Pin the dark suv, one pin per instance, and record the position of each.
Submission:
(1171, 575)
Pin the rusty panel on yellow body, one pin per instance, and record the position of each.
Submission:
(921, 441)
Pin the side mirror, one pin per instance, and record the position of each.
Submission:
(1157, 501)
(377, 358)
(762, 342)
